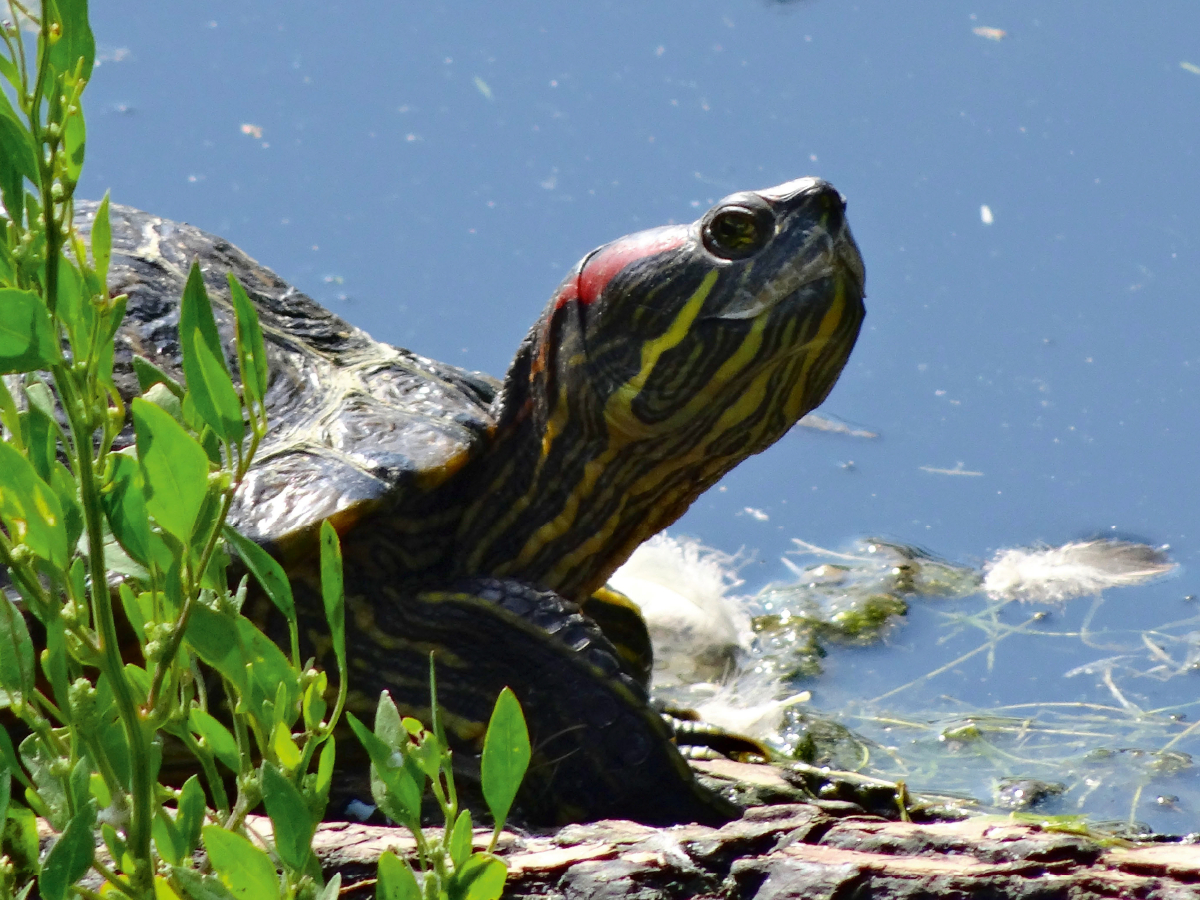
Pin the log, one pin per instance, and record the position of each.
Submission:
(794, 850)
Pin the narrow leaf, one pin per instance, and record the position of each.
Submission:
(124, 503)
(167, 838)
(505, 755)
(102, 240)
(333, 593)
(482, 878)
(202, 887)
(5, 792)
(290, 817)
(30, 509)
(191, 814)
(216, 736)
(16, 656)
(27, 339)
(396, 879)
(242, 867)
(267, 571)
(221, 394)
(174, 469)
(233, 646)
(252, 355)
(460, 840)
(71, 857)
(208, 381)
(393, 786)
(74, 143)
(75, 41)
(148, 375)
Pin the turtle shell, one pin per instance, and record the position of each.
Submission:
(353, 420)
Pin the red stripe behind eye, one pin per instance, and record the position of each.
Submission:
(606, 262)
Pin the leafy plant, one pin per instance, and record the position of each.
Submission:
(407, 758)
(98, 724)
(73, 501)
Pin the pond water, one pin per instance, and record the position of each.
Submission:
(1023, 180)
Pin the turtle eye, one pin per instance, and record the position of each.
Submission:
(736, 232)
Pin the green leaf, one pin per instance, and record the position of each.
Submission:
(247, 871)
(396, 879)
(202, 887)
(267, 571)
(102, 240)
(124, 503)
(460, 840)
(191, 814)
(285, 748)
(216, 736)
(204, 367)
(54, 657)
(16, 656)
(75, 309)
(67, 491)
(41, 440)
(133, 612)
(148, 375)
(290, 817)
(174, 469)
(20, 841)
(333, 593)
(27, 339)
(167, 837)
(313, 704)
(395, 785)
(74, 144)
(75, 41)
(332, 889)
(106, 354)
(252, 355)
(5, 791)
(325, 773)
(505, 755)
(232, 645)
(10, 72)
(18, 160)
(71, 857)
(482, 878)
(30, 509)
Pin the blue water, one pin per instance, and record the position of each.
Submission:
(430, 171)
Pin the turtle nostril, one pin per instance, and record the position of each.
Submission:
(831, 205)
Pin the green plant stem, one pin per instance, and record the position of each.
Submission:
(114, 879)
(215, 784)
(110, 663)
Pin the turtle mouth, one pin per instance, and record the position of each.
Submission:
(824, 254)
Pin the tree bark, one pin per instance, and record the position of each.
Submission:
(801, 850)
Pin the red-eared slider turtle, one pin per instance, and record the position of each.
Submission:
(478, 518)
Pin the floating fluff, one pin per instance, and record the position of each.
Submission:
(1077, 569)
(699, 629)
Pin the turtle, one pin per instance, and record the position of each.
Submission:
(480, 518)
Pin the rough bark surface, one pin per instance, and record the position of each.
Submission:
(820, 850)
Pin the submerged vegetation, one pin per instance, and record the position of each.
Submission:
(830, 675)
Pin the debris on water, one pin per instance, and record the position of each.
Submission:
(699, 629)
(825, 423)
(1077, 569)
(1026, 793)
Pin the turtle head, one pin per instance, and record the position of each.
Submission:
(730, 328)
(667, 357)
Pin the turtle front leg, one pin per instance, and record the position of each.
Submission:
(599, 749)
